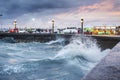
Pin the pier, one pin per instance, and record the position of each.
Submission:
(104, 41)
(27, 37)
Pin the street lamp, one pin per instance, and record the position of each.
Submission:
(15, 24)
(0, 16)
(33, 19)
(53, 24)
(82, 21)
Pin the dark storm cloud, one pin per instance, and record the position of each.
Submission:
(14, 8)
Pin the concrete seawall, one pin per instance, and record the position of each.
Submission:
(103, 41)
(47, 37)
(27, 37)
(108, 68)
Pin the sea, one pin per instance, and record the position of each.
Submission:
(53, 60)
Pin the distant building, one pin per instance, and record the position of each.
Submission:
(104, 30)
(69, 30)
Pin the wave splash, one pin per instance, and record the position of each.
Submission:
(82, 52)
(58, 41)
(50, 61)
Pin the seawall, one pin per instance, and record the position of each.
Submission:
(104, 42)
(108, 68)
(27, 37)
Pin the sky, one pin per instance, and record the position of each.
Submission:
(66, 13)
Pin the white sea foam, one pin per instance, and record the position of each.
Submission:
(72, 60)
(55, 41)
(80, 49)
(13, 69)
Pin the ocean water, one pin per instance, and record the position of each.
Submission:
(49, 61)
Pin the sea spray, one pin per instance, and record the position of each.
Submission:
(83, 52)
(58, 41)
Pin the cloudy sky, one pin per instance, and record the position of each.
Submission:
(39, 13)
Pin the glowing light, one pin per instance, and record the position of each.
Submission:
(33, 19)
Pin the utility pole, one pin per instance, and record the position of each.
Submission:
(82, 21)
(53, 24)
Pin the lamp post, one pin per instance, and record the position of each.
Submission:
(0, 16)
(33, 19)
(82, 21)
(53, 24)
(15, 24)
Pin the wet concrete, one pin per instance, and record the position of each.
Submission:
(108, 68)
